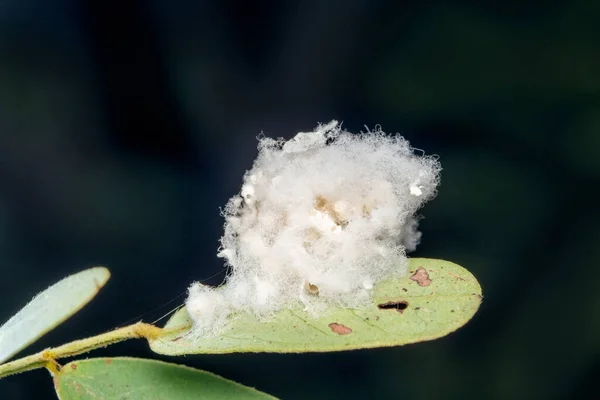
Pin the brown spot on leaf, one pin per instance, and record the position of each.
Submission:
(404, 289)
(421, 277)
(339, 328)
(108, 361)
(73, 366)
(399, 306)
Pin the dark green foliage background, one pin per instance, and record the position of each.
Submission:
(124, 129)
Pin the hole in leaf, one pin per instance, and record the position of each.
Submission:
(399, 306)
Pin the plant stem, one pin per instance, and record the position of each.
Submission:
(47, 358)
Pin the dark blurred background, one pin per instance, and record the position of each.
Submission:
(124, 128)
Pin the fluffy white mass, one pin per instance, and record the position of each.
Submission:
(320, 219)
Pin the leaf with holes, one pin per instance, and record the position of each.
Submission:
(49, 309)
(135, 378)
(436, 298)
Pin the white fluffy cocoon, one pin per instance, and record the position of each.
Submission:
(320, 219)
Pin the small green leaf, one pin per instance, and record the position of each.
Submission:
(436, 298)
(135, 378)
(49, 309)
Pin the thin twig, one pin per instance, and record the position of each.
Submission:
(47, 358)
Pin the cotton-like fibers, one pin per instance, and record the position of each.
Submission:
(320, 219)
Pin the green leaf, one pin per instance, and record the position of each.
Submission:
(436, 298)
(135, 378)
(49, 309)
